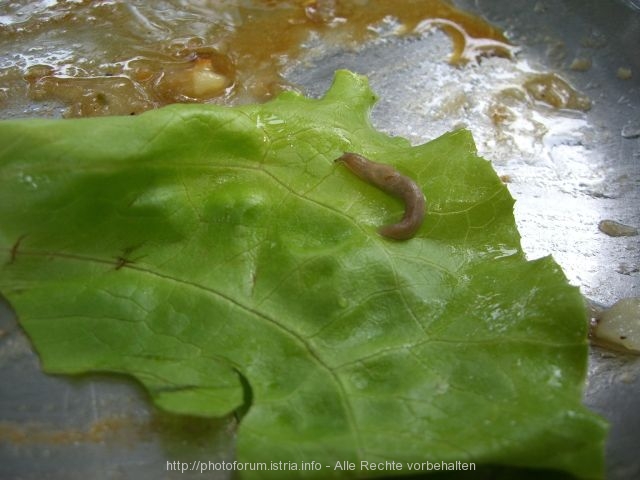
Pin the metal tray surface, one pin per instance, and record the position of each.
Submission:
(567, 171)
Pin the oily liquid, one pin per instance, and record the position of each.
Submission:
(110, 58)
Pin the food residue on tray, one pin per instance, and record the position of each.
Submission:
(618, 327)
(580, 64)
(617, 229)
(624, 73)
(104, 58)
(117, 429)
(631, 130)
(556, 92)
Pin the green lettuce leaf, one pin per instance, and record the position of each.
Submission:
(221, 257)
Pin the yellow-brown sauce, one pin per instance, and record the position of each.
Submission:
(108, 58)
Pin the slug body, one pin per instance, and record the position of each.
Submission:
(391, 181)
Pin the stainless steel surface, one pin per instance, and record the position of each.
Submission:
(567, 171)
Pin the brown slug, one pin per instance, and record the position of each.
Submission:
(389, 180)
